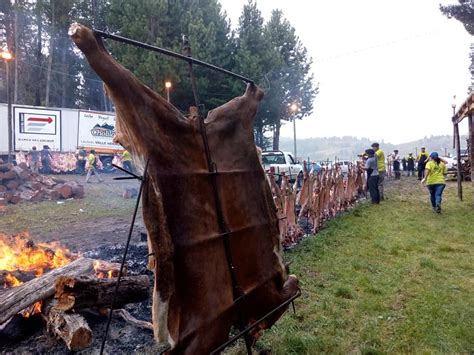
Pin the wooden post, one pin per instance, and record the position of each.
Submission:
(458, 153)
(471, 146)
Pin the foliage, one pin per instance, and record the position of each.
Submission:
(50, 71)
(463, 12)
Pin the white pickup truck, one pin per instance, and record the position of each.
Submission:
(281, 163)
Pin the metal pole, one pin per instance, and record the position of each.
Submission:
(9, 116)
(168, 94)
(471, 146)
(294, 136)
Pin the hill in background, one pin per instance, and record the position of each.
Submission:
(349, 147)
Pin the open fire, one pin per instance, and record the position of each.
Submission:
(56, 285)
(18, 253)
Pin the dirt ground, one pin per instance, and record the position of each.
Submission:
(101, 218)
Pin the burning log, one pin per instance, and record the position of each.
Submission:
(18, 298)
(77, 292)
(11, 278)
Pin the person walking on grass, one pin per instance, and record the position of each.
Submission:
(421, 159)
(411, 165)
(127, 161)
(372, 176)
(435, 172)
(91, 166)
(46, 159)
(396, 164)
(380, 156)
(35, 159)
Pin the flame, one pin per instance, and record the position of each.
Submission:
(33, 309)
(102, 273)
(20, 253)
(11, 281)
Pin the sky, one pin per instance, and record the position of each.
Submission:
(387, 70)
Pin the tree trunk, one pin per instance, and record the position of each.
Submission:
(276, 136)
(51, 52)
(65, 73)
(17, 59)
(39, 41)
(18, 298)
(78, 292)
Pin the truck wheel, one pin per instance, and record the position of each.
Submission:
(107, 164)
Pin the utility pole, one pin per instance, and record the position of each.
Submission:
(7, 56)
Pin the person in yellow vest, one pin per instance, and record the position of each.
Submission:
(91, 166)
(380, 155)
(421, 159)
(127, 160)
(435, 172)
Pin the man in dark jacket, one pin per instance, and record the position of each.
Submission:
(45, 159)
(411, 165)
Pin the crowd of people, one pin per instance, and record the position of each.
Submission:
(430, 167)
(86, 162)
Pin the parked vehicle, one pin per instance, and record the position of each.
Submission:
(281, 163)
(326, 164)
(449, 162)
(62, 129)
(344, 165)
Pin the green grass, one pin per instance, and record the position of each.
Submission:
(392, 278)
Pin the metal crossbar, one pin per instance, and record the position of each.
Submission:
(169, 53)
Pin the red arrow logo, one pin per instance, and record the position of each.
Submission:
(39, 119)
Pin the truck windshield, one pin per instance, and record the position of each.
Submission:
(273, 158)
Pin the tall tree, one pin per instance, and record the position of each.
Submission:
(291, 80)
(255, 57)
(463, 12)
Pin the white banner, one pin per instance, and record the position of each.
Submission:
(96, 130)
(37, 127)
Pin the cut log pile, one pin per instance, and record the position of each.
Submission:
(18, 183)
(322, 195)
(67, 291)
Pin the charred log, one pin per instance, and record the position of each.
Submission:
(86, 292)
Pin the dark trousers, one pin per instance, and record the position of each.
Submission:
(80, 167)
(127, 165)
(436, 191)
(421, 171)
(373, 185)
(45, 163)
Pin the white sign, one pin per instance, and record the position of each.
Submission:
(37, 127)
(96, 130)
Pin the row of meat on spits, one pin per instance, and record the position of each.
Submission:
(305, 205)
